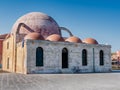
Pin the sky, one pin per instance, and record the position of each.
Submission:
(99, 19)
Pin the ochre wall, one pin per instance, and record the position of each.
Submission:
(8, 53)
(1, 47)
(16, 54)
(20, 58)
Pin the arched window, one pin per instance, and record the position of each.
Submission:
(39, 56)
(84, 57)
(101, 57)
(64, 58)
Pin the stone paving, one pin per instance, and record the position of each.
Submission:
(91, 81)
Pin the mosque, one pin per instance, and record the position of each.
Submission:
(36, 45)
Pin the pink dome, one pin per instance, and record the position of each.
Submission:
(90, 41)
(54, 37)
(38, 22)
(34, 36)
(74, 39)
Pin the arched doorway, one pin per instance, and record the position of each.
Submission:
(64, 58)
(39, 56)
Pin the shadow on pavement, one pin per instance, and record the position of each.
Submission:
(1, 71)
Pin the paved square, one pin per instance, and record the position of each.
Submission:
(91, 81)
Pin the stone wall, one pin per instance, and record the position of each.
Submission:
(22, 57)
(53, 57)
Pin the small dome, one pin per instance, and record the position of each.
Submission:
(34, 36)
(90, 41)
(54, 37)
(74, 39)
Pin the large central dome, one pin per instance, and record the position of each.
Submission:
(38, 22)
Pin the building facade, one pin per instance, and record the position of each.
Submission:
(36, 45)
(2, 37)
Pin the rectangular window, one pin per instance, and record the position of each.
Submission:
(7, 45)
(8, 63)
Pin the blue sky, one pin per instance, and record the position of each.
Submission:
(99, 19)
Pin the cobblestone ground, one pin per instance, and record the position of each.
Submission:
(91, 81)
